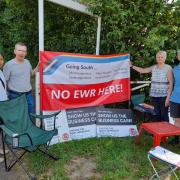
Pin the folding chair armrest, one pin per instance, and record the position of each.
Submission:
(11, 133)
(41, 117)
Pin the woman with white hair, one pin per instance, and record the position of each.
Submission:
(161, 85)
(175, 97)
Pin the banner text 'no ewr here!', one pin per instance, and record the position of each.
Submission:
(70, 81)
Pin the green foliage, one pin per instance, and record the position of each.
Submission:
(19, 22)
(138, 27)
(69, 31)
(65, 30)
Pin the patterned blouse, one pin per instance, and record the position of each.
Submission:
(159, 81)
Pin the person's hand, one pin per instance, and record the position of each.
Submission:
(36, 69)
(167, 102)
(130, 64)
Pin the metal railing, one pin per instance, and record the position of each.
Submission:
(141, 84)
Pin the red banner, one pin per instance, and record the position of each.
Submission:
(72, 80)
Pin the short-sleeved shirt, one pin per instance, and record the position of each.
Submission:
(18, 75)
(159, 81)
(3, 94)
(175, 97)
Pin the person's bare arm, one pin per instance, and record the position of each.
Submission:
(141, 70)
(35, 70)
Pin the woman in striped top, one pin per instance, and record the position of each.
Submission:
(161, 85)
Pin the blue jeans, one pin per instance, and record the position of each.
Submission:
(29, 97)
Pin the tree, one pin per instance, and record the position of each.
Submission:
(138, 27)
(65, 30)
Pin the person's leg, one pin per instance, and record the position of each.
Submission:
(177, 123)
(30, 101)
(1, 150)
(164, 110)
(1, 159)
(175, 113)
(156, 104)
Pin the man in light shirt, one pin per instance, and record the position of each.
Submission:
(17, 73)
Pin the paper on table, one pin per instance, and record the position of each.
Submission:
(166, 155)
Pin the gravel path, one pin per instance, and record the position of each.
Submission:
(16, 173)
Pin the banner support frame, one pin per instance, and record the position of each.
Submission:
(70, 4)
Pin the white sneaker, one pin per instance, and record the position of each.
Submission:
(1, 151)
(1, 159)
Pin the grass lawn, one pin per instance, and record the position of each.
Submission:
(115, 158)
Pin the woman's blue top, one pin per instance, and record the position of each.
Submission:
(175, 97)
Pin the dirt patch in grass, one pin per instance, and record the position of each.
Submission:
(82, 168)
(46, 175)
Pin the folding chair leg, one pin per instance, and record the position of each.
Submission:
(173, 171)
(17, 160)
(170, 168)
(47, 153)
(156, 173)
